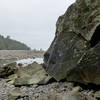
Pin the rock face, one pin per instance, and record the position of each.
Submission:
(75, 52)
(20, 76)
(32, 74)
(8, 69)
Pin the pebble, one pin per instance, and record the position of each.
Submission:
(33, 91)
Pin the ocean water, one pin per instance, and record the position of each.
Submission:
(28, 61)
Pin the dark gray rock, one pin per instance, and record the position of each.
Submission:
(74, 53)
(8, 69)
(88, 69)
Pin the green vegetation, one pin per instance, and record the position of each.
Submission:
(9, 44)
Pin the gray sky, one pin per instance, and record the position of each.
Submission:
(31, 21)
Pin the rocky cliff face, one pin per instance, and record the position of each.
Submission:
(75, 52)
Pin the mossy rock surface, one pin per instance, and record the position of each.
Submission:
(75, 52)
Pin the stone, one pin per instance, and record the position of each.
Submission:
(8, 70)
(11, 79)
(75, 93)
(60, 96)
(77, 97)
(74, 54)
(51, 96)
(88, 69)
(15, 94)
(97, 94)
(31, 74)
(75, 90)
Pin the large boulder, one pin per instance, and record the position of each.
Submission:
(75, 52)
(31, 74)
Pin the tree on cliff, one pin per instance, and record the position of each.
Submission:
(9, 44)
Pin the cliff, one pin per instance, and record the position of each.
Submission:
(9, 44)
(75, 52)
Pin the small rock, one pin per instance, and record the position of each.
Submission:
(97, 94)
(15, 94)
(8, 70)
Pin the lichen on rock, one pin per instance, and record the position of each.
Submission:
(74, 53)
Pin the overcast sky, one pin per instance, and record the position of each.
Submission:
(31, 21)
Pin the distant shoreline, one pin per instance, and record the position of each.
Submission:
(20, 54)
